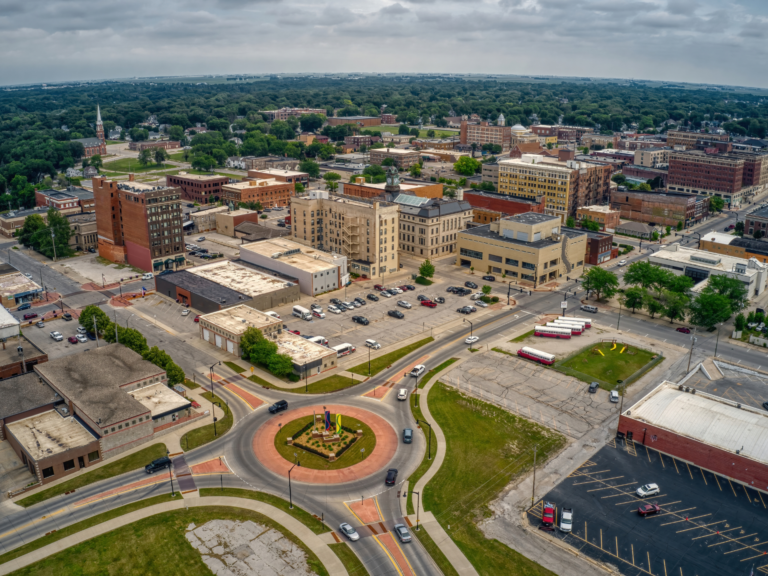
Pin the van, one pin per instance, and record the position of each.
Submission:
(147, 276)
(343, 349)
(588, 308)
(476, 296)
(594, 387)
(614, 396)
(418, 370)
(372, 344)
(319, 340)
(159, 464)
(301, 312)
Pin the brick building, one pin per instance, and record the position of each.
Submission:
(485, 216)
(139, 224)
(597, 141)
(757, 220)
(436, 143)
(363, 189)
(652, 157)
(197, 187)
(599, 247)
(404, 159)
(289, 176)
(688, 139)
(389, 118)
(603, 215)
(285, 113)
(164, 144)
(633, 171)
(94, 146)
(730, 245)
(505, 205)
(354, 142)
(356, 120)
(665, 209)
(269, 192)
(484, 133)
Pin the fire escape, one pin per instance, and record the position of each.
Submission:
(350, 237)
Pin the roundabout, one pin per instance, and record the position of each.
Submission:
(379, 440)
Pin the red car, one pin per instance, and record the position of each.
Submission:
(684, 330)
(72, 340)
(30, 315)
(646, 509)
(548, 517)
(378, 287)
(295, 332)
(197, 318)
(404, 288)
(428, 304)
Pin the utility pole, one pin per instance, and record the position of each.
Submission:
(418, 502)
(53, 243)
(116, 338)
(690, 355)
(95, 331)
(533, 490)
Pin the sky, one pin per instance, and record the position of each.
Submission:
(710, 41)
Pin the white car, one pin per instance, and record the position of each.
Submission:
(318, 314)
(332, 308)
(316, 307)
(648, 490)
(622, 262)
(201, 239)
(566, 519)
(185, 312)
(57, 336)
(386, 294)
(614, 396)
(403, 304)
(402, 394)
(351, 305)
(81, 338)
(273, 314)
(349, 532)
(472, 339)
(481, 304)
(395, 291)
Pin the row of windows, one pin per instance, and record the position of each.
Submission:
(69, 464)
(121, 426)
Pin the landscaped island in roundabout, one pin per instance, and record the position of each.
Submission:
(363, 445)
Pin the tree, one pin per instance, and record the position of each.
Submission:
(427, 269)
(87, 316)
(486, 289)
(128, 337)
(262, 351)
(679, 226)
(298, 187)
(160, 156)
(467, 166)
(44, 242)
(757, 234)
(430, 133)
(388, 162)
(709, 309)
(176, 133)
(311, 122)
(620, 179)
(680, 284)
(675, 305)
(634, 298)
(590, 225)
(161, 359)
(641, 273)
(602, 282)
(414, 132)
(331, 180)
(310, 167)
(740, 322)
(415, 170)
(203, 162)
(280, 365)
(739, 228)
(570, 222)
(663, 279)
(96, 162)
(652, 305)
(645, 187)
(145, 156)
(403, 130)
(249, 339)
(731, 288)
(32, 224)
(716, 204)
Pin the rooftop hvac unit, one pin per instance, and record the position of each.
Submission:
(277, 255)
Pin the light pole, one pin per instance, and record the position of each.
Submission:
(369, 366)
(471, 327)
(533, 490)
(53, 243)
(418, 501)
(509, 289)
(170, 475)
(290, 494)
(213, 410)
(618, 325)
(129, 319)
(420, 422)
(717, 340)
(95, 331)
(103, 282)
(693, 343)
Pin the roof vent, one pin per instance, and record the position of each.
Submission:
(693, 390)
(738, 405)
(680, 387)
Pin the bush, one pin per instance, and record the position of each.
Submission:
(433, 179)
(495, 299)
(423, 281)
(294, 377)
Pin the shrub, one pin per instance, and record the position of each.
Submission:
(495, 299)
(294, 377)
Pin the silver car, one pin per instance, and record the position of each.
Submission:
(349, 532)
(402, 533)
(403, 304)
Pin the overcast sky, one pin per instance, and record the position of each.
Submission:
(712, 41)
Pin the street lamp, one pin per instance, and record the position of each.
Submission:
(170, 474)
(129, 319)
(693, 343)
(53, 243)
(418, 502)
(290, 495)
(213, 410)
(717, 340)
(471, 327)
(618, 324)
(420, 422)
(509, 289)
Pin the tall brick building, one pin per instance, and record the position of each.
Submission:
(269, 192)
(198, 187)
(139, 224)
(688, 139)
(503, 204)
(666, 209)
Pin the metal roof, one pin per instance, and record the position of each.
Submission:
(410, 200)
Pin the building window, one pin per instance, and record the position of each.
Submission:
(510, 273)
(494, 258)
(511, 262)
(69, 464)
(48, 472)
(528, 266)
(93, 456)
(471, 254)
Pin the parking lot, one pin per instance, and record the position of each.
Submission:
(736, 383)
(707, 526)
(41, 337)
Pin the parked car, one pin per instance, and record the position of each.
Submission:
(402, 394)
(407, 436)
(450, 289)
(421, 297)
(395, 291)
(472, 308)
(318, 314)
(156, 465)
(481, 304)
(648, 490)
(614, 396)
(391, 477)
(72, 340)
(647, 509)
(566, 519)
(386, 294)
(197, 318)
(147, 276)
(40, 324)
(185, 312)
(396, 314)
(548, 515)
(490, 278)
(349, 532)
(410, 287)
(439, 300)
(342, 306)
(622, 262)
(335, 301)
(472, 339)
(30, 315)
(90, 335)
(428, 304)
(594, 387)
(360, 320)
(201, 239)
(352, 304)
(684, 330)
(332, 308)
(25, 306)
(402, 533)
(67, 317)
(403, 288)
(81, 330)
(378, 287)
(360, 301)
(278, 406)
(273, 314)
(404, 304)
(469, 284)
(372, 344)
(81, 338)
(295, 332)
(464, 310)
(316, 307)
(373, 297)
(57, 336)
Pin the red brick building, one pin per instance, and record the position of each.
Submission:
(506, 205)
(165, 144)
(268, 192)
(357, 120)
(696, 172)
(94, 146)
(389, 118)
(197, 187)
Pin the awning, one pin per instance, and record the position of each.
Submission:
(169, 261)
(157, 265)
(179, 259)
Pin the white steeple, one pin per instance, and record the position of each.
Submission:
(98, 115)
(501, 121)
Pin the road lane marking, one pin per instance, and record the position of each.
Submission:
(388, 555)
(33, 522)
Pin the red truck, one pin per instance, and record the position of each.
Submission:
(287, 220)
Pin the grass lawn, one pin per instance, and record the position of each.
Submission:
(115, 142)
(132, 165)
(121, 466)
(608, 367)
(477, 467)
(380, 363)
(349, 559)
(434, 550)
(154, 545)
(315, 462)
(234, 367)
(84, 524)
(330, 384)
(300, 514)
(522, 337)
(179, 156)
(205, 434)
(190, 384)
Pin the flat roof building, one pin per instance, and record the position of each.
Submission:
(357, 120)
(200, 188)
(280, 175)
(224, 328)
(268, 192)
(363, 189)
(429, 227)
(17, 289)
(721, 243)
(607, 218)
(403, 159)
(308, 358)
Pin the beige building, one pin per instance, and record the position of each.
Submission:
(652, 157)
(84, 234)
(224, 328)
(404, 159)
(365, 231)
(604, 140)
(430, 227)
(205, 220)
(529, 248)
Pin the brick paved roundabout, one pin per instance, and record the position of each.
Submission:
(386, 446)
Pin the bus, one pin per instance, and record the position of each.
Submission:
(343, 349)
(572, 323)
(551, 332)
(536, 355)
(586, 321)
(576, 329)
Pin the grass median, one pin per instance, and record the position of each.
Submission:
(480, 464)
(121, 466)
(154, 545)
(52, 537)
(522, 336)
(607, 363)
(380, 363)
(204, 434)
(349, 559)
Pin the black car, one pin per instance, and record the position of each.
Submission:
(360, 301)
(396, 314)
(67, 317)
(462, 291)
(410, 287)
(335, 301)
(190, 205)
(421, 297)
(439, 300)
(464, 310)
(450, 289)
(164, 272)
(341, 306)
(490, 278)
(281, 224)
(360, 320)
(373, 297)
(158, 464)
(469, 284)
(278, 406)
(391, 477)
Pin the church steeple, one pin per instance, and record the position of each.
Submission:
(99, 125)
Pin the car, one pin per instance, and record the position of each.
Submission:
(72, 340)
(190, 205)
(732, 227)
(396, 314)
(278, 406)
(472, 308)
(378, 287)
(25, 306)
(201, 239)
(622, 262)
(156, 465)
(386, 294)
(197, 318)
(402, 533)
(410, 286)
(727, 229)
(647, 490)
(472, 339)
(450, 289)
(281, 224)
(464, 310)
(28, 275)
(67, 317)
(481, 304)
(391, 477)
(360, 320)
(185, 312)
(439, 300)
(647, 509)
(404, 304)
(402, 394)
(333, 309)
(684, 330)
(566, 519)
(407, 436)
(273, 314)
(373, 297)
(614, 396)
(403, 288)
(418, 370)
(490, 278)
(476, 296)
(343, 307)
(92, 250)
(82, 339)
(429, 304)
(295, 332)
(335, 301)
(40, 324)
(594, 387)
(203, 251)
(349, 532)
(57, 336)
(372, 344)
(395, 291)
(81, 330)
(318, 314)
(90, 335)
(30, 315)
(267, 209)
(147, 276)
(469, 284)
(316, 307)
(548, 515)
(351, 305)
(422, 298)
(165, 272)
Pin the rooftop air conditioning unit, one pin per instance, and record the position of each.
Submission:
(277, 255)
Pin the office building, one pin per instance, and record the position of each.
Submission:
(730, 245)
(285, 113)
(200, 188)
(268, 192)
(85, 235)
(607, 218)
(756, 223)
(660, 208)
(652, 157)
(65, 202)
(287, 176)
(687, 140)
(600, 141)
(403, 159)
(430, 227)
(356, 120)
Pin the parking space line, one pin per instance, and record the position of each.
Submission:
(631, 501)
(718, 533)
(702, 475)
(731, 540)
(662, 460)
(599, 480)
(702, 525)
(732, 488)
(689, 470)
(665, 566)
(630, 444)
(718, 483)
(649, 562)
(648, 453)
(746, 548)
(761, 497)
(675, 463)
(609, 487)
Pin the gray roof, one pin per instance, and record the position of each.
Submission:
(88, 142)
(762, 213)
(42, 210)
(590, 234)
(485, 232)
(750, 244)
(204, 287)
(532, 218)
(81, 193)
(25, 392)
(636, 227)
(92, 380)
(58, 194)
